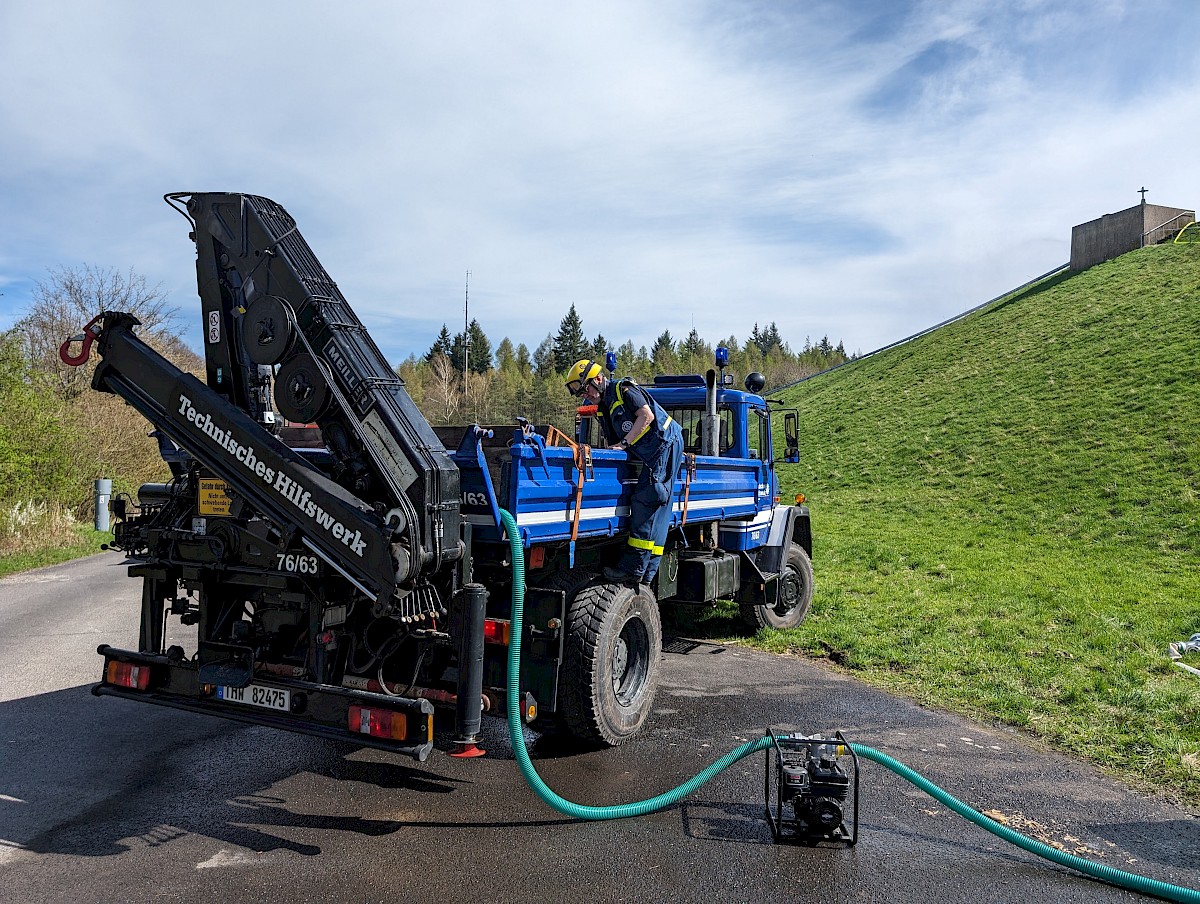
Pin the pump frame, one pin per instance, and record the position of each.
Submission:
(784, 829)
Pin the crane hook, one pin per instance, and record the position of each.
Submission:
(89, 335)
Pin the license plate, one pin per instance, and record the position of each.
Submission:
(257, 695)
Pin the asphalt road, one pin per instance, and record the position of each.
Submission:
(106, 800)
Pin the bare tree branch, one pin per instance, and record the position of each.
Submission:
(72, 296)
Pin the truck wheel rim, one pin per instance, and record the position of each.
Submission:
(791, 592)
(630, 661)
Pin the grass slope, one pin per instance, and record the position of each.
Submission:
(1006, 515)
(71, 543)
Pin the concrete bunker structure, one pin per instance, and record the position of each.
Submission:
(1115, 234)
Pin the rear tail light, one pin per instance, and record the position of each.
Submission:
(378, 723)
(497, 630)
(126, 674)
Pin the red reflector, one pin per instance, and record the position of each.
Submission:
(496, 630)
(537, 557)
(126, 674)
(378, 723)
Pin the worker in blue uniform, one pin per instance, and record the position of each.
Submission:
(634, 422)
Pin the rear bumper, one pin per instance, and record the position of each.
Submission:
(316, 709)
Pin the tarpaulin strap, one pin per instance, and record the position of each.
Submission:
(87, 337)
(583, 465)
(555, 437)
(689, 473)
(584, 470)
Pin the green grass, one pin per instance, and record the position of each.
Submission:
(83, 541)
(1006, 515)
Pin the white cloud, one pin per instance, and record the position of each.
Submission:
(858, 171)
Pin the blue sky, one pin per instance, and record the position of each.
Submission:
(860, 170)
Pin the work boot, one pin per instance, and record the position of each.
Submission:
(617, 576)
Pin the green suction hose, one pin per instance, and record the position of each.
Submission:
(1108, 874)
(516, 734)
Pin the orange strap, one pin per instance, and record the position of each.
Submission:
(689, 462)
(555, 437)
(583, 465)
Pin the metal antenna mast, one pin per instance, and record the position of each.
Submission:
(466, 332)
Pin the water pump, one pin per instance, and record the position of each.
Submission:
(811, 790)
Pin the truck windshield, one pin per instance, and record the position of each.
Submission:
(689, 422)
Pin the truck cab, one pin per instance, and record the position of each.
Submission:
(744, 429)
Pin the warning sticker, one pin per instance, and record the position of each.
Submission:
(214, 500)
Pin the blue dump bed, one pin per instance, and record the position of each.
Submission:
(536, 480)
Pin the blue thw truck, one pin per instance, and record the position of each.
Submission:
(345, 578)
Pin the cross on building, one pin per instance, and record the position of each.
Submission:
(1142, 190)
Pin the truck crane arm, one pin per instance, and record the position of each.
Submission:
(268, 302)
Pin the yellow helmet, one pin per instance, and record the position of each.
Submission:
(581, 372)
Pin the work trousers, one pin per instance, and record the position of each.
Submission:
(650, 508)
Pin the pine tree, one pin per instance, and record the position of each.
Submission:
(480, 349)
(771, 338)
(693, 345)
(663, 353)
(756, 339)
(505, 354)
(643, 367)
(524, 362)
(731, 344)
(456, 351)
(544, 364)
(598, 349)
(442, 346)
(569, 345)
(626, 356)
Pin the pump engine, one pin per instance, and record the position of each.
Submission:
(812, 789)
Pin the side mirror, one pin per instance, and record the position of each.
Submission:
(791, 437)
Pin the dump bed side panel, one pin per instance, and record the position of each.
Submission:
(538, 487)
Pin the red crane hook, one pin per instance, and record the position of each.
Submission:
(87, 337)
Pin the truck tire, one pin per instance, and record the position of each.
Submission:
(611, 651)
(569, 582)
(795, 595)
